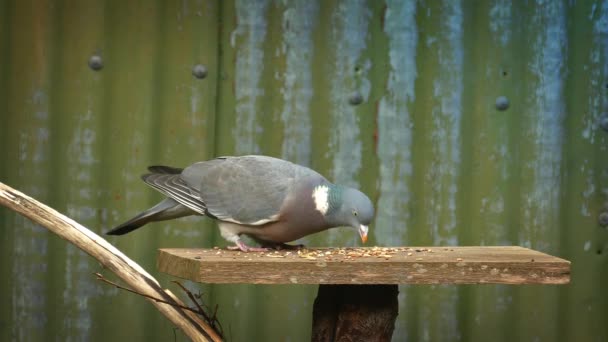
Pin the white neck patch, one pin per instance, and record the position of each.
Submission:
(320, 195)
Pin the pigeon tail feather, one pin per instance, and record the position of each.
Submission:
(165, 210)
(130, 225)
(173, 186)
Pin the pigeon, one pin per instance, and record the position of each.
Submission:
(273, 201)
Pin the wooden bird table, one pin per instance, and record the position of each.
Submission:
(357, 297)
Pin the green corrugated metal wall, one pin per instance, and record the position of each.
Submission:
(395, 97)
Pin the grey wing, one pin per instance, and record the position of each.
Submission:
(244, 190)
(173, 186)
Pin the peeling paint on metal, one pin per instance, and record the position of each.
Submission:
(446, 117)
(599, 75)
(588, 192)
(492, 205)
(350, 34)
(29, 286)
(298, 23)
(195, 103)
(81, 161)
(30, 241)
(541, 203)
(500, 21)
(395, 124)
(440, 317)
(77, 291)
(251, 27)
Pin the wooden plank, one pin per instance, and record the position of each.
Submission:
(372, 265)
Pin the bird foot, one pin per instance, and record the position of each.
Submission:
(240, 245)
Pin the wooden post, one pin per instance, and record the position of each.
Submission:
(367, 312)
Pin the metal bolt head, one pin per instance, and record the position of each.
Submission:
(199, 71)
(355, 99)
(604, 122)
(502, 103)
(96, 62)
(603, 219)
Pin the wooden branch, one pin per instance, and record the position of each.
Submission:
(111, 258)
(374, 265)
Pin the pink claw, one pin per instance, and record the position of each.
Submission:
(240, 245)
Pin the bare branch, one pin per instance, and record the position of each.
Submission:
(100, 277)
(213, 321)
(200, 310)
(191, 296)
(111, 258)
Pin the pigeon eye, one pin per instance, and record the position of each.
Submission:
(355, 213)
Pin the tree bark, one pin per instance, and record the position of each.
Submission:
(344, 313)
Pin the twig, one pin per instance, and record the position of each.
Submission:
(200, 310)
(103, 279)
(213, 321)
(214, 318)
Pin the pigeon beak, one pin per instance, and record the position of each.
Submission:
(363, 232)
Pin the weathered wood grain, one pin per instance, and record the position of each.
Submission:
(372, 265)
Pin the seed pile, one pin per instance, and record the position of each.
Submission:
(329, 254)
(355, 253)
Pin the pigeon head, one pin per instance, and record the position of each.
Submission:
(344, 206)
